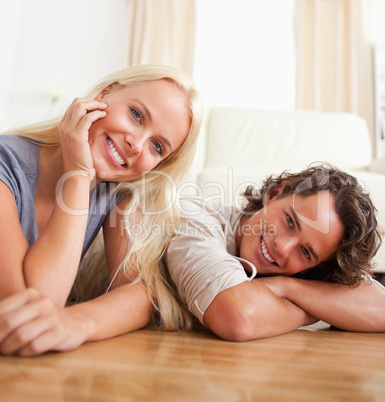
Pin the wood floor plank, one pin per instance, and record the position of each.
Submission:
(318, 364)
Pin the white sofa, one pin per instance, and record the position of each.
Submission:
(242, 146)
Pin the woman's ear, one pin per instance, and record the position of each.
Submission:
(111, 88)
(102, 94)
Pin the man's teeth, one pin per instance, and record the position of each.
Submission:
(117, 157)
(265, 253)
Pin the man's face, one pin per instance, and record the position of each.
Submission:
(291, 234)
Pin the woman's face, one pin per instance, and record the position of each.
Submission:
(291, 234)
(144, 124)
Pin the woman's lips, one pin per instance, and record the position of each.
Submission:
(115, 154)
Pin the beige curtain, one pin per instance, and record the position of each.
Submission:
(162, 32)
(335, 58)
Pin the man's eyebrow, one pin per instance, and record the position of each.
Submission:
(148, 113)
(298, 224)
(296, 219)
(312, 251)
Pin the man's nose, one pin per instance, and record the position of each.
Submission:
(285, 245)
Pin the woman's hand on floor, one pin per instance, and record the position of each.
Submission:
(31, 324)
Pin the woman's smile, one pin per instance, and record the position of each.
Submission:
(144, 123)
(115, 155)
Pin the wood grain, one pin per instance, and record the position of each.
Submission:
(312, 364)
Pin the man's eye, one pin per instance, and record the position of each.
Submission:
(306, 253)
(158, 147)
(136, 114)
(289, 221)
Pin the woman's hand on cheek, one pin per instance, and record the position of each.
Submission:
(73, 132)
(31, 324)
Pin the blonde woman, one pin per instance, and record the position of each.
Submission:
(59, 184)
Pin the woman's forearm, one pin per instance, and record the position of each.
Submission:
(51, 264)
(31, 324)
(124, 309)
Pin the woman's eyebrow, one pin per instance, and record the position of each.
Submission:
(148, 113)
(164, 139)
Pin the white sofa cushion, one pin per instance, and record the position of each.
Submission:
(286, 140)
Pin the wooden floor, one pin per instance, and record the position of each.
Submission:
(305, 365)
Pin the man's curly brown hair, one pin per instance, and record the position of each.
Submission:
(354, 207)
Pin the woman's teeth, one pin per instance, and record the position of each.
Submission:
(265, 253)
(115, 154)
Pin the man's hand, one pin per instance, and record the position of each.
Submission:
(279, 285)
(275, 283)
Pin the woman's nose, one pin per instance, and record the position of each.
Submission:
(135, 144)
(136, 148)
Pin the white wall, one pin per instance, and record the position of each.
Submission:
(71, 43)
(245, 54)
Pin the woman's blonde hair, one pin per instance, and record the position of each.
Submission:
(153, 195)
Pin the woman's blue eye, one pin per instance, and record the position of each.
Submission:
(158, 147)
(136, 114)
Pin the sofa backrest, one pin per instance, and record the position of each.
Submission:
(280, 140)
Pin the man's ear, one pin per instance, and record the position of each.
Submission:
(272, 193)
